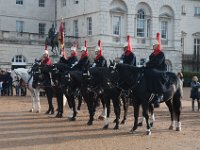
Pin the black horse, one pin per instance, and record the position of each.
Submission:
(41, 78)
(134, 78)
(101, 77)
(71, 89)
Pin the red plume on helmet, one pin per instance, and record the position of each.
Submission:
(74, 53)
(158, 50)
(129, 49)
(100, 51)
(85, 53)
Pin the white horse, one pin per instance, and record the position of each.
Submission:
(23, 74)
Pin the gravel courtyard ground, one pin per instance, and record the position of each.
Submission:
(22, 130)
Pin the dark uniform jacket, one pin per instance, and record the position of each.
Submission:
(83, 64)
(129, 59)
(71, 60)
(157, 62)
(100, 62)
(156, 73)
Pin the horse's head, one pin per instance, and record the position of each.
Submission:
(16, 78)
(128, 76)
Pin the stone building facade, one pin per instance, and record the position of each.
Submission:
(108, 20)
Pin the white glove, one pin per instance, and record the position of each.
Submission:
(121, 62)
(74, 64)
(93, 65)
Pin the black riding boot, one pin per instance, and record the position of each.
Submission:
(157, 101)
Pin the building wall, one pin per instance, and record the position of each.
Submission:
(190, 24)
(29, 43)
(102, 12)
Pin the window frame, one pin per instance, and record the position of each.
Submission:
(140, 23)
(164, 29)
(75, 28)
(197, 11)
(63, 3)
(41, 28)
(116, 25)
(19, 26)
(41, 3)
(19, 2)
(89, 26)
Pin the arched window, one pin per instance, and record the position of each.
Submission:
(140, 23)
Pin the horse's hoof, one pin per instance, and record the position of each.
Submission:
(52, 112)
(38, 111)
(140, 124)
(178, 128)
(48, 111)
(31, 110)
(59, 115)
(72, 119)
(132, 131)
(89, 123)
(105, 127)
(170, 127)
(148, 132)
(123, 122)
(101, 117)
(78, 111)
(116, 127)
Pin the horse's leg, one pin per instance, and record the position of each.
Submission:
(37, 93)
(151, 111)
(145, 113)
(104, 111)
(136, 114)
(70, 114)
(33, 100)
(116, 105)
(107, 120)
(91, 107)
(170, 107)
(73, 118)
(177, 112)
(125, 106)
(80, 99)
(59, 96)
(49, 93)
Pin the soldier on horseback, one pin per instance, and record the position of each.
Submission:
(84, 62)
(156, 72)
(128, 57)
(99, 61)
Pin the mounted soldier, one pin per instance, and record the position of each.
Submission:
(99, 61)
(156, 70)
(128, 57)
(84, 62)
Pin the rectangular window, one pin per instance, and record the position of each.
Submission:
(148, 27)
(116, 25)
(164, 29)
(75, 28)
(76, 1)
(42, 28)
(89, 26)
(140, 27)
(197, 11)
(63, 3)
(41, 3)
(183, 10)
(19, 2)
(19, 26)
